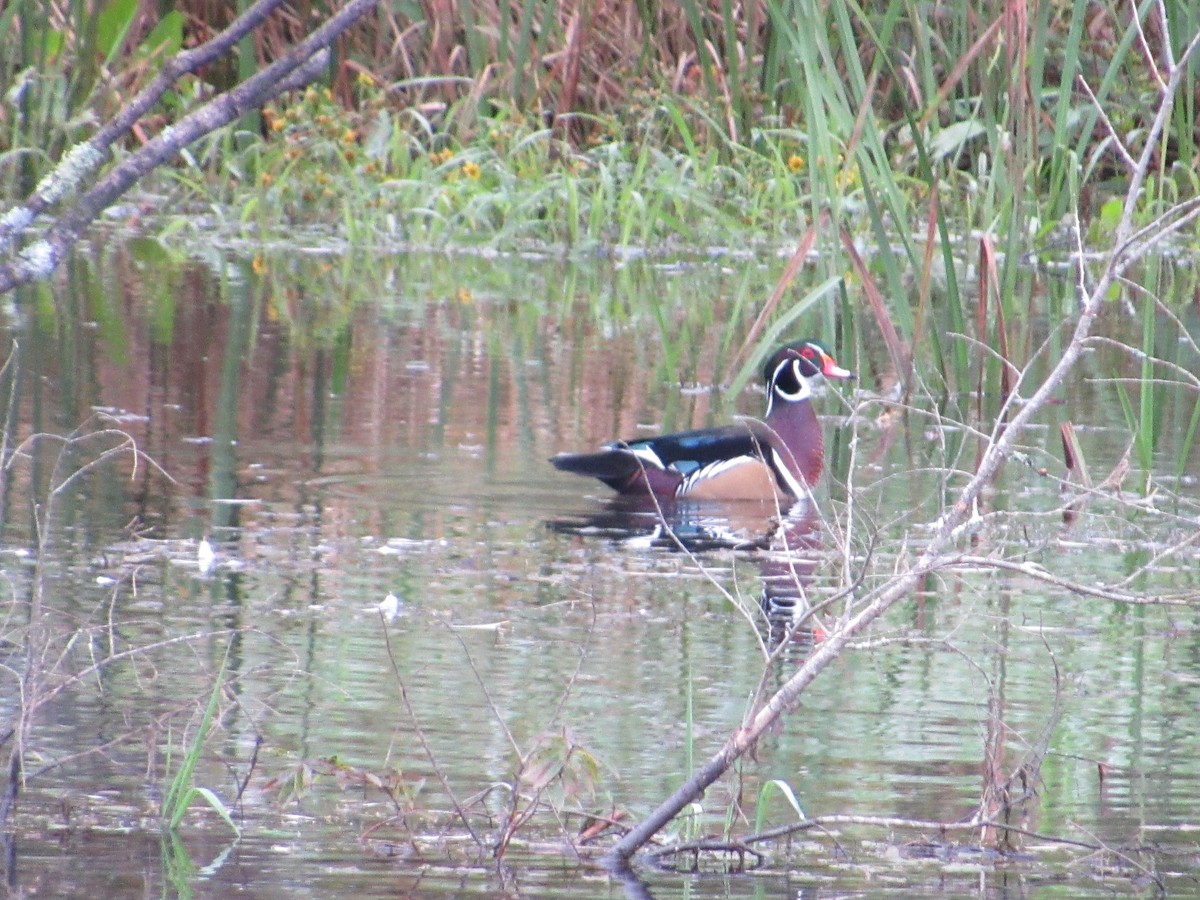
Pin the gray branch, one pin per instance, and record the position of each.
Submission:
(299, 66)
(951, 526)
(84, 159)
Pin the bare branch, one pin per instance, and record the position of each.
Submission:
(1126, 156)
(948, 529)
(82, 160)
(420, 733)
(300, 65)
(1040, 574)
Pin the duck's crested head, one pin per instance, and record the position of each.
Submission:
(792, 364)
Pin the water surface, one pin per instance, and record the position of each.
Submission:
(345, 431)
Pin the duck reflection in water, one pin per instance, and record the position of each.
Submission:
(784, 544)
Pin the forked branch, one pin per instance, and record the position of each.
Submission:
(300, 65)
(1128, 247)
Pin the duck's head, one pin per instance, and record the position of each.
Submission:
(789, 369)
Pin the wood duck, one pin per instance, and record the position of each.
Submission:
(779, 457)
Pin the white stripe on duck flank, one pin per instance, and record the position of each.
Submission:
(646, 455)
(798, 488)
(739, 478)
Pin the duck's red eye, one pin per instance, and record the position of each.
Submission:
(807, 352)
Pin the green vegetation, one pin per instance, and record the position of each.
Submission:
(181, 789)
(566, 122)
(876, 135)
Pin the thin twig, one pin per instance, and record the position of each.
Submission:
(1113, 136)
(890, 822)
(1037, 572)
(487, 695)
(420, 733)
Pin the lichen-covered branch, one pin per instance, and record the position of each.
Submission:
(299, 66)
(84, 159)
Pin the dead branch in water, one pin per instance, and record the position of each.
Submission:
(1128, 247)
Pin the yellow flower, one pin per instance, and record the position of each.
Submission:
(259, 264)
(795, 162)
(847, 178)
(365, 79)
(471, 170)
(464, 295)
(349, 136)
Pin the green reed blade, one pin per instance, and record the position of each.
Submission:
(181, 790)
(1184, 449)
(775, 786)
(523, 51)
(773, 335)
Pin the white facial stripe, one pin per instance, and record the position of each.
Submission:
(805, 388)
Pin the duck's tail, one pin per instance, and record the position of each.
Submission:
(613, 467)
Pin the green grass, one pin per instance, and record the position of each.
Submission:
(380, 179)
(707, 122)
(182, 791)
(769, 788)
